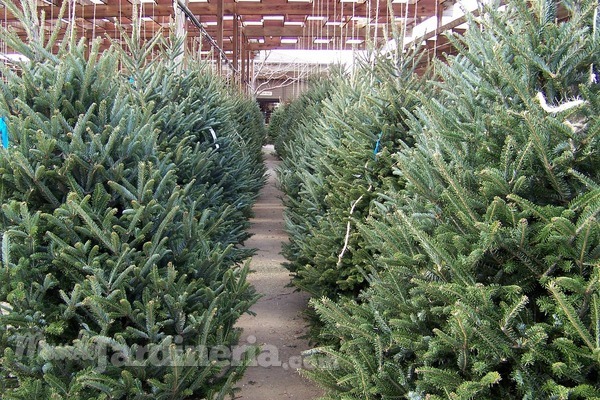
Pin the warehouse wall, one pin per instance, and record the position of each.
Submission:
(272, 95)
(282, 94)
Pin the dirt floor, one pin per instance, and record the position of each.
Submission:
(278, 325)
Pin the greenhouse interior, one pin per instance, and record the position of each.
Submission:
(299, 199)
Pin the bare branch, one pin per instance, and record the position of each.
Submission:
(277, 74)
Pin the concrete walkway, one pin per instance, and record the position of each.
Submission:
(278, 325)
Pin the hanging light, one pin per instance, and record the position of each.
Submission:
(273, 18)
(354, 41)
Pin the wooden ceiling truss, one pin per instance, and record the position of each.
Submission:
(231, 32)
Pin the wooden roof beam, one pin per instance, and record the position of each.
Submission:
(157, 10)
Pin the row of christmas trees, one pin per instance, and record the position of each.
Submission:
(126, 190)
(447, 225)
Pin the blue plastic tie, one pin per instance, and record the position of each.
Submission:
(131, 80)
(377, 145)
(4, 132)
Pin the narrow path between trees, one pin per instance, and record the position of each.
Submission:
(278, 325)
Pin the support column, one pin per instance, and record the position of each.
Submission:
(219, 34)
(237, 76)
(180, 31)
(439, 14)
(243, 51)
(249, 68)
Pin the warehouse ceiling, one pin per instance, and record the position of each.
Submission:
(257, 25)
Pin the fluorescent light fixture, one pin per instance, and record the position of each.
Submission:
(227, 17)
(261, 40)
(93, 2)
(210, 23)
(315, 18)
(293, 23)
(289, 40)
(13, 57)
(253, 23)
(228, 51)
(361, 22)
(147, 19)
(198, 1)
(247, 1)
(273, 18)
(146, 1)
(299, 1)
(106, 20)
(352, 1)
(354, 41)
(333, 23)
(321, 41)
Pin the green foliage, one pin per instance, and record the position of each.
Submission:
(276, 121)
(121, 220)
(484, 253)
(335, 147)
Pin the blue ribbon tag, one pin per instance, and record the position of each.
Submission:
(377, 145)
(4, 132)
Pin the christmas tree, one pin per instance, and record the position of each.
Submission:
(118, 278)
(484, 283)
(336, 159)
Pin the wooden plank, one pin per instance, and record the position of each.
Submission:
(236, 40)
(125, 9)
(243, 80)
(180, 29)
(219, 36)
(259, 31)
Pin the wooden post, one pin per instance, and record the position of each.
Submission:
(439, 15)
(180, 31)
(237, 76)
(243, 80)
(219, 34)
(439, 8)
(248, 69)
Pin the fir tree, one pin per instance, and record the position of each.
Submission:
(485, 284)
(111, 263)
(335, 162)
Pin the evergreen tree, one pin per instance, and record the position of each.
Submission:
(486, 285)
(336, 160)
(114, 283)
